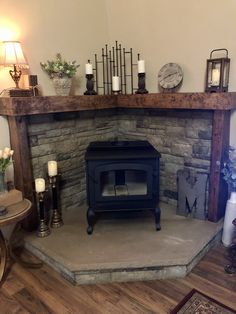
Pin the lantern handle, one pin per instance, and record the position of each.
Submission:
(226, 50)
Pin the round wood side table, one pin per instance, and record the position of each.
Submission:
(15, 214)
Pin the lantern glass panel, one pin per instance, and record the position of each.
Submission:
(226, 74)
(209, 70)
(215, 73)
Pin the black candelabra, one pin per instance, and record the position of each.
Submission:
(43, 229)
(56, 218)
(114, 62)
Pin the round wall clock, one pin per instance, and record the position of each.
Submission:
(170, 76)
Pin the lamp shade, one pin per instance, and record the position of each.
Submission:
(13, 54)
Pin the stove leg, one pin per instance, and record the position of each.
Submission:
(91, 217)
(157, 214)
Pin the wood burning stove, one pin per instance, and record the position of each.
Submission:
(122, 176)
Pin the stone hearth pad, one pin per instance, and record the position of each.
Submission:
(125, 249)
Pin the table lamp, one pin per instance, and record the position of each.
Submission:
(13, 56)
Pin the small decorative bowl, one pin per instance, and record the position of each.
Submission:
(3, 210)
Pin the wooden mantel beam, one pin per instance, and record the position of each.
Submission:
(202, 101)
(20, 106)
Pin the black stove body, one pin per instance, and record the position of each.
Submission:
(122, 176)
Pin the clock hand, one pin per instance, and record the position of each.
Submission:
(164, 78)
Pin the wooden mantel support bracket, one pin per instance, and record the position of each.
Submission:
(22, 167)
(220, 143)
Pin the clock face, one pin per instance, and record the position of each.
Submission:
(170, 76)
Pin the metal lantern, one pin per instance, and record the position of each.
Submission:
(217, 75)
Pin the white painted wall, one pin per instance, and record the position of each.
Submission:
(73, 28)
(4, 132)
(183, 31)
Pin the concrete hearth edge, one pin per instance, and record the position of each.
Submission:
(123, 275)
(115, 272)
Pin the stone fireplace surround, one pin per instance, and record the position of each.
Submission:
(183, 139)
(189, 129)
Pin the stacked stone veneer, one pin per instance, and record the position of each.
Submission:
(64, 137)
(182, 137)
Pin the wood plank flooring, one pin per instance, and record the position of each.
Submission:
(43, 291)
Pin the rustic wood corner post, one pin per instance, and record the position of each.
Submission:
(23, 173)
(218, 190)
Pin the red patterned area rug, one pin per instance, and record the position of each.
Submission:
(198, 303)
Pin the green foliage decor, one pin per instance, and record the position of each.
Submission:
(59, 67)
(5, 158)
(229, 169)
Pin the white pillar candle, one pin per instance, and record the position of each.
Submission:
(115, 83)
(39, 185)
(88, 68)
(141, 66)
(52, 168)
(215, 77)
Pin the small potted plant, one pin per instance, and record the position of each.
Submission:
(229, 175)
(61, 73)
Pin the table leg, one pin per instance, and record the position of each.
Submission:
(3, 256)
(16, 258)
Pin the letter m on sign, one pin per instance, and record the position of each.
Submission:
(192, 194)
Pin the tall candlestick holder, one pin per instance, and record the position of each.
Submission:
(43, 229)
(56, 221)
(141, 84)
(90, 85)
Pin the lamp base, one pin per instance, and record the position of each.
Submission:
(15, 75)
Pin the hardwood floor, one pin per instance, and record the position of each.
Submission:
(44, 291)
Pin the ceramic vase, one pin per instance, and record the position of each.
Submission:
(62, 85)
(229, 230)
